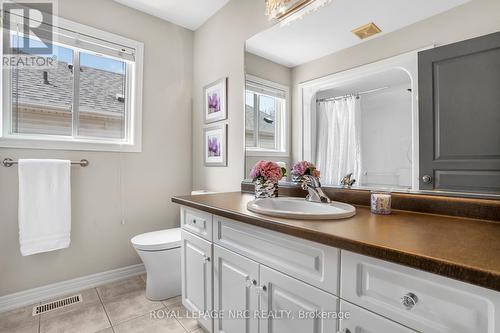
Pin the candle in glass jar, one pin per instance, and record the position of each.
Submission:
(381, 203)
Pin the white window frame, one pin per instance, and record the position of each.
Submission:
(284, 131)
(133, 121)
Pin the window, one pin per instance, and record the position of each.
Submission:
(87, 97)
(266, 118)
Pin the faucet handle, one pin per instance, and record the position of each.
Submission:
(347, 181)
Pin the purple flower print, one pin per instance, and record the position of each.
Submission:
(213, 147)
(213, 103)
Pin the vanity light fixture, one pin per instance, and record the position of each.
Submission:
(286, 11)
(366, 30)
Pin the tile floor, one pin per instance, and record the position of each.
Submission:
(118, 307)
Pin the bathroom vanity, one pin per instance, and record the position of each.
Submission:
(406, 272)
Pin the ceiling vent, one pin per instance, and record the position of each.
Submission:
(367, 30)
(57, 304)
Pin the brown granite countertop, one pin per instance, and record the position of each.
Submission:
(460, 248)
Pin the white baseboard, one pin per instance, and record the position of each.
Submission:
(31, 296)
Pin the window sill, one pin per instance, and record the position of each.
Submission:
(266, 152)
(65, 144)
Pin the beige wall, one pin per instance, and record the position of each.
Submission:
(476, 18)
(99, 241)
(218, 52)
(268, 70)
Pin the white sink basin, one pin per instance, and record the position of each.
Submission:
(299, 208)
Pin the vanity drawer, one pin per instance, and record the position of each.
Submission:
(313, 263)
(361, 320)
(197, 222)
(423, 301)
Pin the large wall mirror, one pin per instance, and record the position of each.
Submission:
(424, 120)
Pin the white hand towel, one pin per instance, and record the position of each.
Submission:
(44, 205)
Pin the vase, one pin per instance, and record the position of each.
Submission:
(266, 189)
(297, 179)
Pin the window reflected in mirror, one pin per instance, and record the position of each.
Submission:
(265, 122)
(264, 134)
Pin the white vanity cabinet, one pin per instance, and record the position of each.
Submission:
(299, 307)
(196, 272)
(263, 281)
(236, 283)
(287, 305)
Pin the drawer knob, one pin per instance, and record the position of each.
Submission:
(409, 300)
(251, 283)
(194, 221)
(207, 259)
(261, 290)
(345, 330)
(427, 179)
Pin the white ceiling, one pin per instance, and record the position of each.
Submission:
(328, 30)
(190, 14)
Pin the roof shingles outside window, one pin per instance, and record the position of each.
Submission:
(98, 88)
(36, 94)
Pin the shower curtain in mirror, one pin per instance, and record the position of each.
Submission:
(338, 139)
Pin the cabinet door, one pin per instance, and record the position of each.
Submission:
(459, 116)
(291, 306)
(360, 320)
(236, 281)
(197, 277)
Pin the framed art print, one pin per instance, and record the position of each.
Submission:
(215, 101)
(215, 145)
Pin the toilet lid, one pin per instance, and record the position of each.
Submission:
(158, 240)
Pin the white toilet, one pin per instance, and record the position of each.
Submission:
(160, 252)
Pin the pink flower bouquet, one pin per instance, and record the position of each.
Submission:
(266, 175)
(304, 168)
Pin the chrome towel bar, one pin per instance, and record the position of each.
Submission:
(8, 162)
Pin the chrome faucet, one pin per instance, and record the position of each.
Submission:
(313, 186)
(347, 181)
